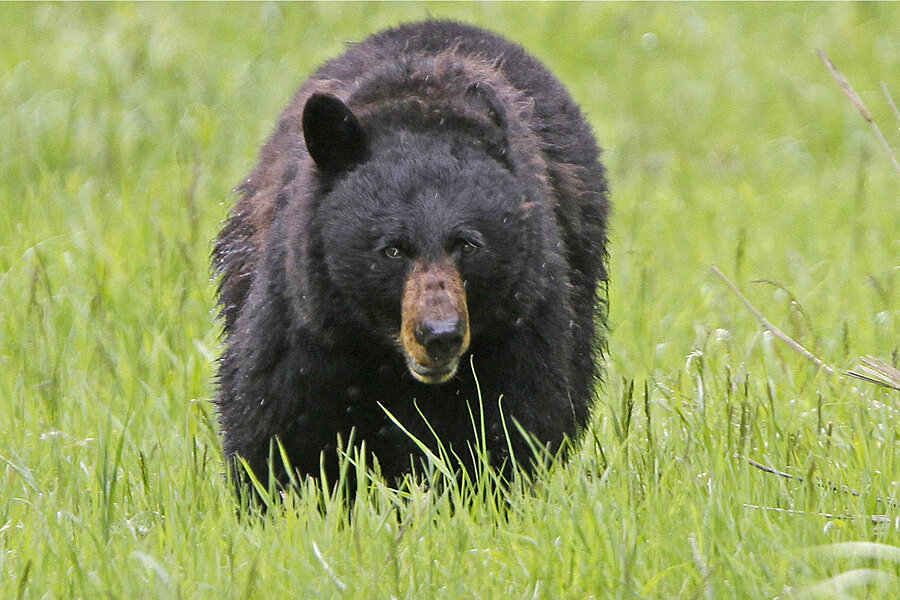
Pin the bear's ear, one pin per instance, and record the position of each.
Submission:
(484, 99)
(333, 135)
(489, 103)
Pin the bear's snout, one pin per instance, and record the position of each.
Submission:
(441, 339)
(434, 330)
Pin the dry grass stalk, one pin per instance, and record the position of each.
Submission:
(873, 370)
(772, 328)
(876, 371)
(858, 103)
(825, 483)
(875, 519)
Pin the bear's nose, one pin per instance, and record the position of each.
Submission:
(441, 339)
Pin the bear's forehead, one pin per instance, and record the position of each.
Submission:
(421, 172)
(429, 195)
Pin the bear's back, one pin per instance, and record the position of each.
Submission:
(558, 119)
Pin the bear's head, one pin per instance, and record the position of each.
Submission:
(429, 239)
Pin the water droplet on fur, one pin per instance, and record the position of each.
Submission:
(519, 322)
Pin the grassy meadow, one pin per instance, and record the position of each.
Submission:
(123, 129)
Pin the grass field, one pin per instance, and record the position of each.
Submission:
(124, 128)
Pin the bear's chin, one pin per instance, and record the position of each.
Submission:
(432, 375)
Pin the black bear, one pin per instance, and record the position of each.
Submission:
(422, 242)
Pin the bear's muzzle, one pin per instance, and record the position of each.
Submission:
(434, 331)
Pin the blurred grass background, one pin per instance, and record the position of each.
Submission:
(124, 127)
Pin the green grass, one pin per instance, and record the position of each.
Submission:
(124, 128)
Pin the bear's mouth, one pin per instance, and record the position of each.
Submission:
(432, 374)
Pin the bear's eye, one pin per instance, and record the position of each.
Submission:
(393, 252)
(466, 245)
